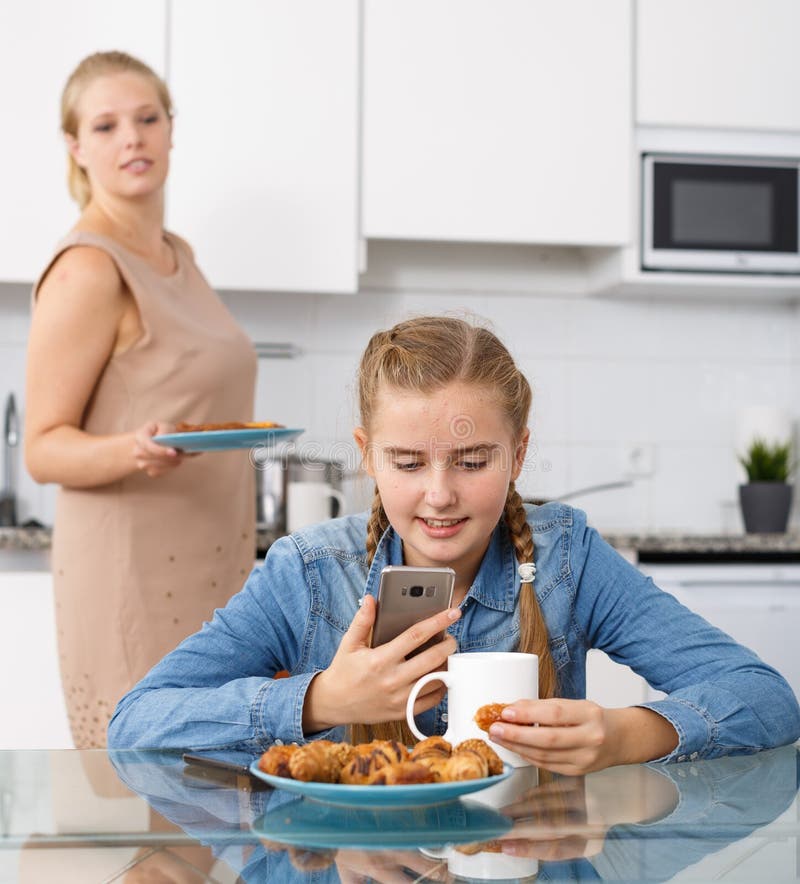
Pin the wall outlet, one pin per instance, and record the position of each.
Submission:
(639, 460)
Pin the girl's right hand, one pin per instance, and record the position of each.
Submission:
(151, 458)
(367, 685)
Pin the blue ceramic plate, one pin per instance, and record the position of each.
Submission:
(381, 796)
(226, 440)
(308, 823)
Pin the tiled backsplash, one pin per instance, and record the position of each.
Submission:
(607, 375)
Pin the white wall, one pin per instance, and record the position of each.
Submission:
(606, 374)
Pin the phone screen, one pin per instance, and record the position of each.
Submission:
(407, 595)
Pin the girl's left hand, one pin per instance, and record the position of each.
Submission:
(572, 737)
(576, 737)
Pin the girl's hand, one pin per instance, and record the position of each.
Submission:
(577, 736)
(152, 458)
(367, 685)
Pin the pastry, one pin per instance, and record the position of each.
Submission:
(320, 762)
(487, 715)
(493, 760)
(275, 760)
(183, 427)
(465, 765)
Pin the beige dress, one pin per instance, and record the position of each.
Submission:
(140, 564)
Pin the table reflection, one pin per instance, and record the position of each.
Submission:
(142, 816)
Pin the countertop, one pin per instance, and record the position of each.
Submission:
(731, 817)
(647, 547)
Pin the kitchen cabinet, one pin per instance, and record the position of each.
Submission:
(498, 121)
(34, 713)
(265, 176)
(719, 63)
(41, 42)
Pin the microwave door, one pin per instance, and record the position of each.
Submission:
(720, 215)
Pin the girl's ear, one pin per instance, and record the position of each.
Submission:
(519, 454)
(360, 435)
(74, 148)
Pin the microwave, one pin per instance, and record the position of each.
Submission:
(718, 214)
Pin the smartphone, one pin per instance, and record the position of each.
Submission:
(225, 768)
(407, 595)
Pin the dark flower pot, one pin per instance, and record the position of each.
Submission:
(765, 506)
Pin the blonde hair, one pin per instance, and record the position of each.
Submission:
(100, 64)
(424, 355)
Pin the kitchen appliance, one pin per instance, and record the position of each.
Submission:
(720, 214)
(8, 496)
(275, 470)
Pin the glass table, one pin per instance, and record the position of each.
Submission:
(92, 816)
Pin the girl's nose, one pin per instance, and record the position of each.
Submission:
(131, 133)
(440, 492)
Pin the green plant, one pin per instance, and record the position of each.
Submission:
(767, 463)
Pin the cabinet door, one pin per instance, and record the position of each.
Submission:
(264, 178)
(719, 63)
(498, 120)
(34, 713)
(41, 42)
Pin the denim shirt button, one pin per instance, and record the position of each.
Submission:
(444, 716)
(693, 756)
(681, 758)
(278, 742)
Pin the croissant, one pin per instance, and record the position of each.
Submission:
(275, 760)
(369, 759)
(431, 747)
(465, 765)
(404, 773)
(390, 750)
(483, 749)
(319, 761)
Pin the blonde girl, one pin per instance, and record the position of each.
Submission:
(443, 433)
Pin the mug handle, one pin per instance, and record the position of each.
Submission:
(412, 697)
(333, 494)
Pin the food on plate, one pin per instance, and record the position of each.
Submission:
(480, 847)
(183, 427)
(382, 762)
(486, 752)
(276, 760)
(487, 715)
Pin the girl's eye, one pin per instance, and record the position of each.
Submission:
(153, 118)
(472, 465)
(407, 466)
(103, 127)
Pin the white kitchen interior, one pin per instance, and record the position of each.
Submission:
(396, 158)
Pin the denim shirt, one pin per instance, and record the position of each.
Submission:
(216, 689)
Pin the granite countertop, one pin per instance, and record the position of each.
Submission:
(645, 545)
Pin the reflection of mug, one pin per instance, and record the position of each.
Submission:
(310, 502)
(472, 681)
(488, 864)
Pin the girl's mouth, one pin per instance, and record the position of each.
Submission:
(441, 527)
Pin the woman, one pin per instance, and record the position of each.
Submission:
(127, 338)
(444, 413)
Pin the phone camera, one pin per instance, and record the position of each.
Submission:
(416, 591)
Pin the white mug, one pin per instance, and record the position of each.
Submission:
(310, 502)
(474, 680)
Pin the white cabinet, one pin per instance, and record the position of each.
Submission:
(41, 42)
(719, 64)
(34, 715)
(498, 120)
(264, 177)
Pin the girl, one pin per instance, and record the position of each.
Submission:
(127, 338)
(443, 433)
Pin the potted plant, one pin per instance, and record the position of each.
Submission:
(766, 498)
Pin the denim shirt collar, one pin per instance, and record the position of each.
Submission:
(495, 586)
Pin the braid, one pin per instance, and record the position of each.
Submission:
(376, 527)
(386, 730)
(533, 638)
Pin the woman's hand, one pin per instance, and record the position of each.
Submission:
(575, 737)
(152, 458)
(368, 685)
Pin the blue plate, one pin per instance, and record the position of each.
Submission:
(417, 795)
(309, 823)
(226, 440)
